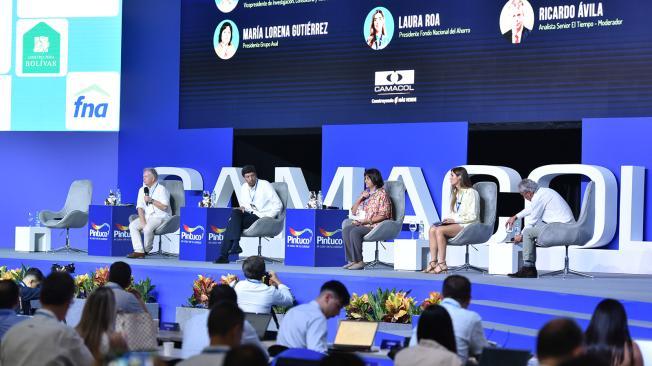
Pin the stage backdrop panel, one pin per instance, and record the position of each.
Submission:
(435, 147)
(38, 168)
(614, 142)
(150, 103)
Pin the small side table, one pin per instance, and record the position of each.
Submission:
(32, 239)
(410, 254)
(504, 258)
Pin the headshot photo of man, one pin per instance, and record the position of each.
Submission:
(516, 21)
(226, 6)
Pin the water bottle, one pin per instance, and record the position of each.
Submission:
(30, 219)
(516, 229)
(320, 201)
(118, 197)
(214, 199)
(37, 221)
(421, 230)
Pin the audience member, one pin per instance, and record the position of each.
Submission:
(559, 340)
(8, 301)
(247, 354)
(436, 341)
(225, 324)
(257, 296)
(97, 325)
(467, 324)
(608, 335)
(586, 359)
(44, 339)
(119, 281)
(30, 289)
(342, 359)
(195, 334)
(304, 326)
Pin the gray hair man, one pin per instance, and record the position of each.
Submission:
(546, 206)
(153, 206)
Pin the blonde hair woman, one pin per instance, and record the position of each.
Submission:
(97, 324)
(464, 210)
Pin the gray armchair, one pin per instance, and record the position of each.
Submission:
(388, 229)
(74, 213)
(576, 233)
(479, 232)
(171, 225)
(268, 227)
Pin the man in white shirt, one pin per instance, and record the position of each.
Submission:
(225, 323)
(546, 206)
(257, 199)
(44, 339)
(304, 326)
(195, 335)
(256, 296)
(153, 206)
(467, 324)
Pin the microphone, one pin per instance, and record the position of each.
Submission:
(146, 191)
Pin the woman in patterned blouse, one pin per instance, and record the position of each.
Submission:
(371, 208)
(464, 210)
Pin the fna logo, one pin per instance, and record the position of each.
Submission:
(121, 232)
(99, 231)
(326, 237)
(216, 233)
(298, 237)
(192, 233)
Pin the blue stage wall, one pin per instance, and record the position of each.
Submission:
(39, 168)
(149, 132)
(613, 142)
(435, 147)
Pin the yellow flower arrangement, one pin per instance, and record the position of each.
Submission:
(201, 289)
(230, 279)
(434, 298)
(399, 307)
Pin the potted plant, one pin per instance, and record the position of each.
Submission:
(392, 308)
(147, 294)
(198, 301)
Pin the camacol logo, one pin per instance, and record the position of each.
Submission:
(122, 232)
(325, 237)
(85, 108)
(295, 236)
(99, 231)
(394, 82)
(216, 233)
(188, 233)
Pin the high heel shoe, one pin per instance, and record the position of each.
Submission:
(441, 267)
(431, 266)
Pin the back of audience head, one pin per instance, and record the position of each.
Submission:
(333, 296)
(342, 359)
(33, 277)
(457, 288)
(225, 324)
(247, 354)
(435, 324)
(98, 319)
(254, 268)
(559, 340)
(586, 359)
(57, 292)
(221, 293)
(608, 332)
(9, 294)
(120, 273)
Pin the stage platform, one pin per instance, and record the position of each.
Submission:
(512, 309)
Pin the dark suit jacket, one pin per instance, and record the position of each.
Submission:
(524, 34)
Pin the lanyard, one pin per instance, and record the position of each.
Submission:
(459, 202)
(251, 197)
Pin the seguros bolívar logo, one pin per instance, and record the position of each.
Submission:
(192, 233)
(121, 232)
(326, 237)
(99, 231)
(216, 233)
(298, 237)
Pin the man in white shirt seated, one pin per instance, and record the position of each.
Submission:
(261, 290)
(467, 324)
(119, 281)
(225, 323)
(195, 335)
(546, 206)
(45, 339)
(153, 206)
(257, 199)
(304, 326)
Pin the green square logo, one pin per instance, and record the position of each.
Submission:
(41, 50)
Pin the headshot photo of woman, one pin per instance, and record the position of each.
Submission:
(379, 28)
(464, 210)
(226, 6)
(225, 42)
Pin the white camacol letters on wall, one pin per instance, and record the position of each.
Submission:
(418, 194)
(632, 207)
(192, 180)
(347, 183)
(229, 181)
(298, 193)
